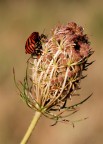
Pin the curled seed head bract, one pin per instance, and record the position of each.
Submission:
(53, 77)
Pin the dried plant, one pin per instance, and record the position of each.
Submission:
(54, 72)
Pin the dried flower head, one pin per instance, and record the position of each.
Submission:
(54, 77)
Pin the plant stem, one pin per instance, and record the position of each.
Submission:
(31, 127)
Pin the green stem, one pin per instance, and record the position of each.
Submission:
(31, 127)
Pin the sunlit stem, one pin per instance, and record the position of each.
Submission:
(31, 127)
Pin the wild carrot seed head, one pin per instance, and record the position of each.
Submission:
(56, 74)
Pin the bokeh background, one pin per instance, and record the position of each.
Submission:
(18, 19)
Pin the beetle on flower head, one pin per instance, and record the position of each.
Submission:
(33, 44)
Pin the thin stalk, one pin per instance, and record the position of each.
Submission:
(31, 127)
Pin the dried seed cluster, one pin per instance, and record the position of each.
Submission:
(56, 74)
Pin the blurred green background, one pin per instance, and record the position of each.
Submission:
(18, 19)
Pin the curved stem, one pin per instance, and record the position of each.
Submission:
(31, 127)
